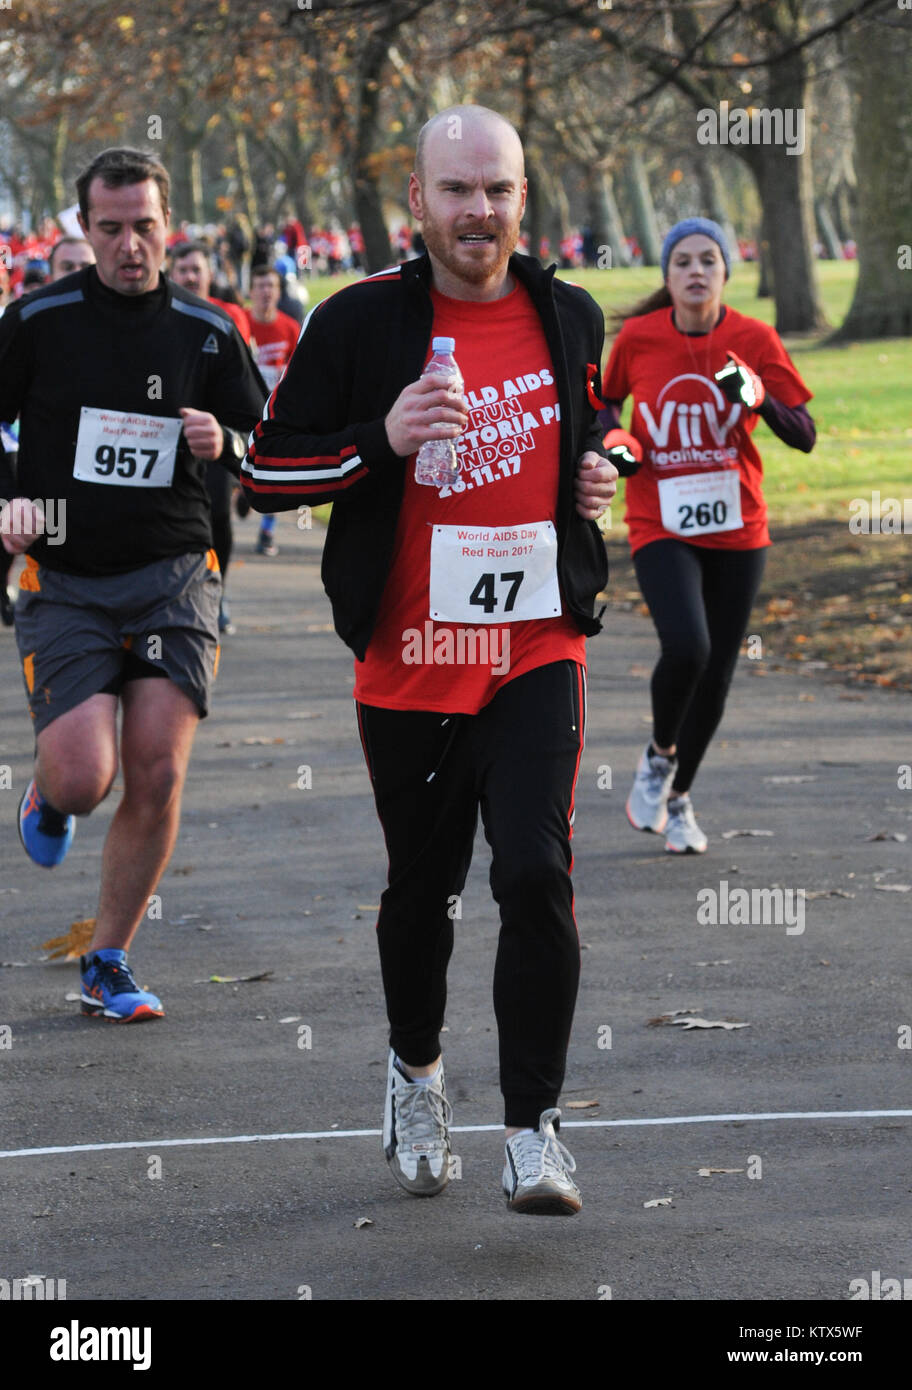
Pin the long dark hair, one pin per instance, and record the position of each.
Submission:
(659, 299)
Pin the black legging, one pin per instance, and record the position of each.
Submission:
(700, 601)
(220, 486)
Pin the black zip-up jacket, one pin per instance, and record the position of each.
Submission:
(78, 343)
(323, 438)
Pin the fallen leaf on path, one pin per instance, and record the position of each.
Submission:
(893, 887)
(234, 979)
(582, 1104)
(739, 834)
(708, 1172)
(887, 835)
(73, 944)
(707, 1023)
(827, 893)
(250, 741)
(781, 781)
(713, 962)
(368, 907)
(683, 1018)
(291, 1018)
(659, 1202)
(72, 998)
(362, 1221)
(667, 1018)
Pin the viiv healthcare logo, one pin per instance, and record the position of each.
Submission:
(691, 424)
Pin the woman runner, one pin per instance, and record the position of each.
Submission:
(701, 375)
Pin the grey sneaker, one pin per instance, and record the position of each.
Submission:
(416, 1139)
(682, 834)
(537, 1168)
(646, 804)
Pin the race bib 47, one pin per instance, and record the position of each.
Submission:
(494, 574)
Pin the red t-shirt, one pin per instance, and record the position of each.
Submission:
(510, 457)
(273, 344)
(236, 312)
(689, 430)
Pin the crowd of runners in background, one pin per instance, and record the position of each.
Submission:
(236, 248)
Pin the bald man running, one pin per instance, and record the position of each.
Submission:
(467, 608)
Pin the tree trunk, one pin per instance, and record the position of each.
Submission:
(605, 218)
(765, 282)
(788, 205)
(643, 211)
(558, 221)
(785, 182)
(195, 182)
(533, 219)
(881, 54)
(58, 186)
(712, 193)
(248, 191)
(844, 209)
(827, 229)
(368, 203)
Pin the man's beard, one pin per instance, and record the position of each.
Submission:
(439, 243)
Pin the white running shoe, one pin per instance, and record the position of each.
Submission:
(416, 1139)
(682, 834)
(646, 804)
(537, 1168)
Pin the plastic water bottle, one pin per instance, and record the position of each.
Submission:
(437, 464)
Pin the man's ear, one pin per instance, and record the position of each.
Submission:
(85, 230)
(522, 196)
(414, 197)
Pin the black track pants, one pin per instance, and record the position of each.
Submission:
(220, 486)
(517, 759)
(700, 601)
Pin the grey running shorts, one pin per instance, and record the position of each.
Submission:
(74, 631)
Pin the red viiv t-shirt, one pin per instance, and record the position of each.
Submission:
(701, 476)
(490, 538)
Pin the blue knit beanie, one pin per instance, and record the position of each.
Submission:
(692, 226)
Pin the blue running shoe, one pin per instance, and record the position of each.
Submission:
(110, 991)
(46, 834)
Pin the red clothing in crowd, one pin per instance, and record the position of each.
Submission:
(272, 345)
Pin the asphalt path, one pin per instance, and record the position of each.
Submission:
(274, 875)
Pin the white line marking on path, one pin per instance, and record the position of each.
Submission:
(458, 1129)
